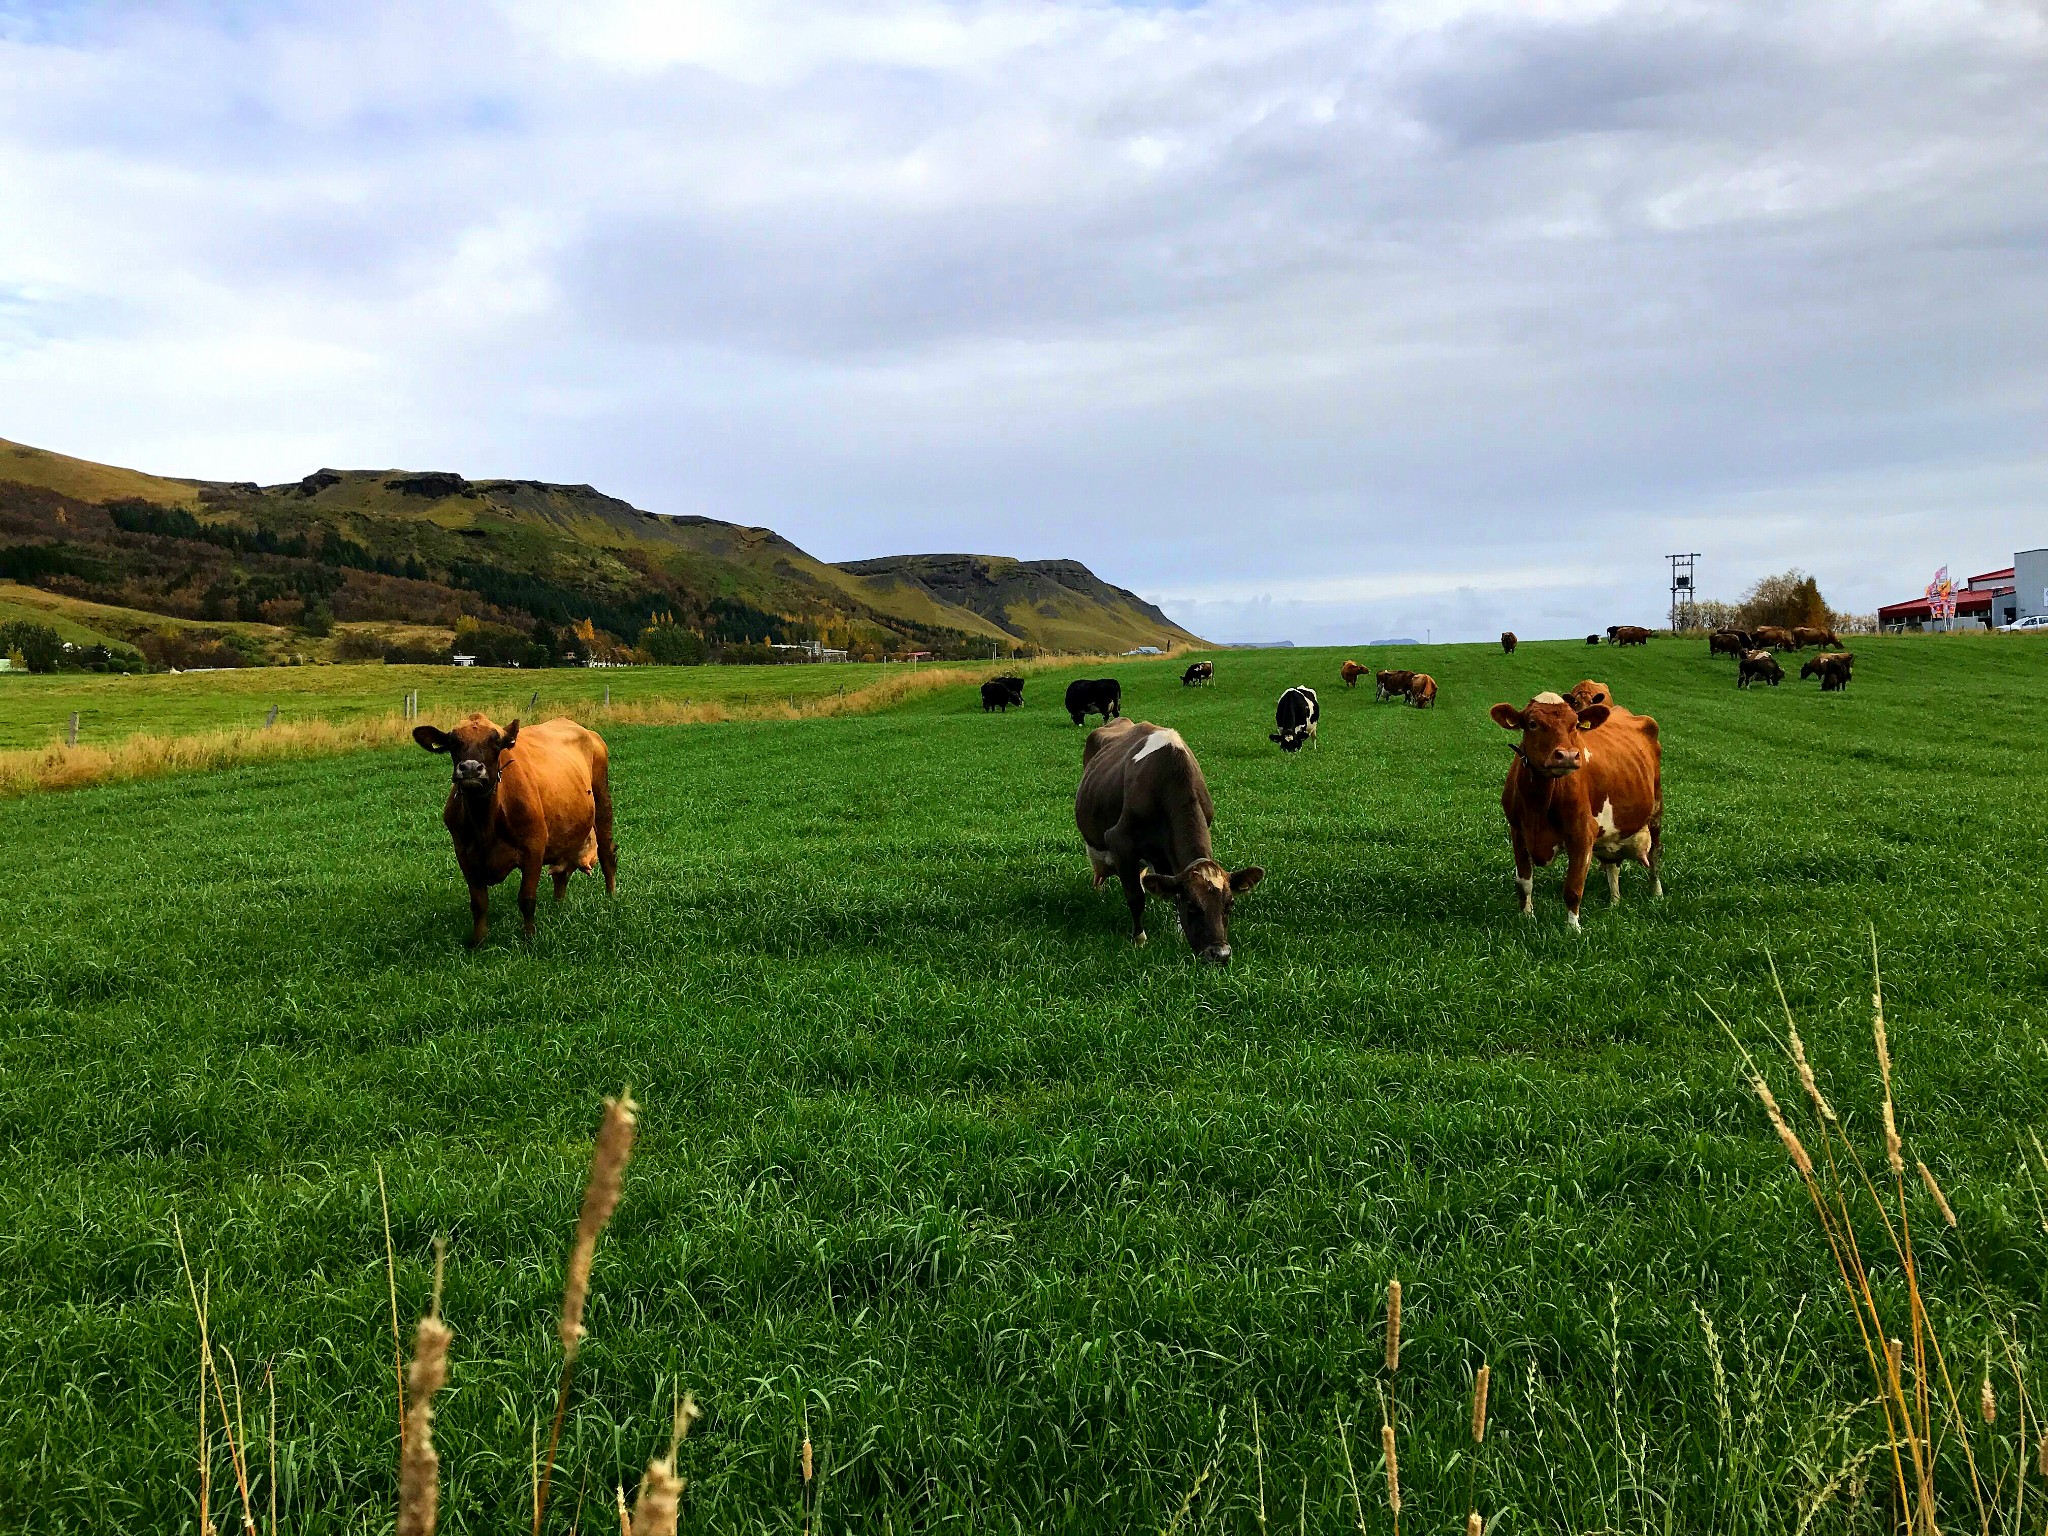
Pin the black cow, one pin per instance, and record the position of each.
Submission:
(1144, 811)
(1758, 664)
(1296, 715)
(1592, 639)
(1198, 672)
(1102, 696)
(1002, 693)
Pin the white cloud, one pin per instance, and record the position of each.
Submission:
(1482, 304)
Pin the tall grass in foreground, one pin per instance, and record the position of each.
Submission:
(1938, 1453)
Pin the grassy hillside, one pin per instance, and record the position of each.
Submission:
(935, 1166)
(434, 549)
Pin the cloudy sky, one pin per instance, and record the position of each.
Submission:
(1319, 322)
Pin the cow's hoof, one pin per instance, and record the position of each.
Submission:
(1571, 921)
(1137, 941)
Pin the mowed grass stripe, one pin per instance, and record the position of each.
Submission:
(1013, 1207)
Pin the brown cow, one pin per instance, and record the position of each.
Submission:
(1727, 642)
(1758, 664)
(1392, 683)
(525, 800)
(1351, 672)
(1813, 634)
(1832, 668)
(1422, 691)
(1589, 693)
(1628, 634)
(1772, 637)
(1508, 642)
(1144, 813)
(1590, 782)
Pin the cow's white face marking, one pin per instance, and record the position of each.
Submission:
(1155, 741)
(1549, 698)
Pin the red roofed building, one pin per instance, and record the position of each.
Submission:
(1986, 599)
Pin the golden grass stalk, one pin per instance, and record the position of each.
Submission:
(1785, 1132)
(659, 1507)
(1480, 1385)
(1393, 1473)
(1350, 1477)
(1393, 1326)
(391, 1281)
(1474, 1526)
(1987, 1401)
(1934, 1189)
(608, 1159)
(419, 1464)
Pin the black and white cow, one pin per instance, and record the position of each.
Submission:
(1003, 693)
(1102, 696)
(1296, 715)
(1144, 812)
(1198, 672)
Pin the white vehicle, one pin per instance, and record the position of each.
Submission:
(2032, 624)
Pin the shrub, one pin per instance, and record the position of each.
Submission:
(358, 645)
(39, 646)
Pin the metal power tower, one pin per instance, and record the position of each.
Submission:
(1682, 590)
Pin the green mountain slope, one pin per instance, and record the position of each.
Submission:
(524, 556)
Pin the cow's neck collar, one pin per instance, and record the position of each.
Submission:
(477, 812)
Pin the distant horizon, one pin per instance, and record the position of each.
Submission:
(1301, 319)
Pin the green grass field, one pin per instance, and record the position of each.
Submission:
(1006, 1211)
(34, 709)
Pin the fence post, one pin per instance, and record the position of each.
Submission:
(533, 704)
(71, 732)
(270, 719)
(607, 695)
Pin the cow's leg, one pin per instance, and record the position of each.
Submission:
(1656, 859)
(561, 874)
(1581, 857)
(1525, 873)
(1614, 884)
(479, 914)
(1130, 870)
(529, 893)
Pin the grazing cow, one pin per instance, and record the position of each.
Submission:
(1592, 639)
(1351, 672)
(1727, 642)
(1772, 637)
(1508, 642)
(1392, 683)
(1628, 634)
(1832, 668)
(1144, 814)
(1589, 781)
(1198, 672)
(1589, 693)
(1296, 715)
(1102, 696)
(1003, 693)
(1813, 634)
(1758, 664)
(1422, 691)
(525, 800)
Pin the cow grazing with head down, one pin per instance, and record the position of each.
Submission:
(1391, 683)
(1772, 637)
(1002, 693)
(1587, 781)
(1198, 672)
(1422, 691)
(1592, 639)
(1758, 666)
(1628, 634)
(1102, 696)
(527, 800)
(1727, 642)
(1813, 634)
(1832, 668)
(1351, 672)
(1296, 715)
(1144, 814)
(1508, 642)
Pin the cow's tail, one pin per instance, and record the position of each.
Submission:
(601, 812)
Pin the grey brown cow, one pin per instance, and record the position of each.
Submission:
(1144, 812)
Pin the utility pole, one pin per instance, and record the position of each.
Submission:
(1682, 591)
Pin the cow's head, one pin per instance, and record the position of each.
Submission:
(1587, 694)
(1550, 730)
(1202, 894)
(1812, 667)
(1291, 738)
(476, 746)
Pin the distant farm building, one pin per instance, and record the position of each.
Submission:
(1987, 600)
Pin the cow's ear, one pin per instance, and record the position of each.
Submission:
(1244, 879)
(1158, 884)
(1593, 716)
(508, 736)
(1507, 717)
(431, 739)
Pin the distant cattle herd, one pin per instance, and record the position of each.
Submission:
(1585, 779)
